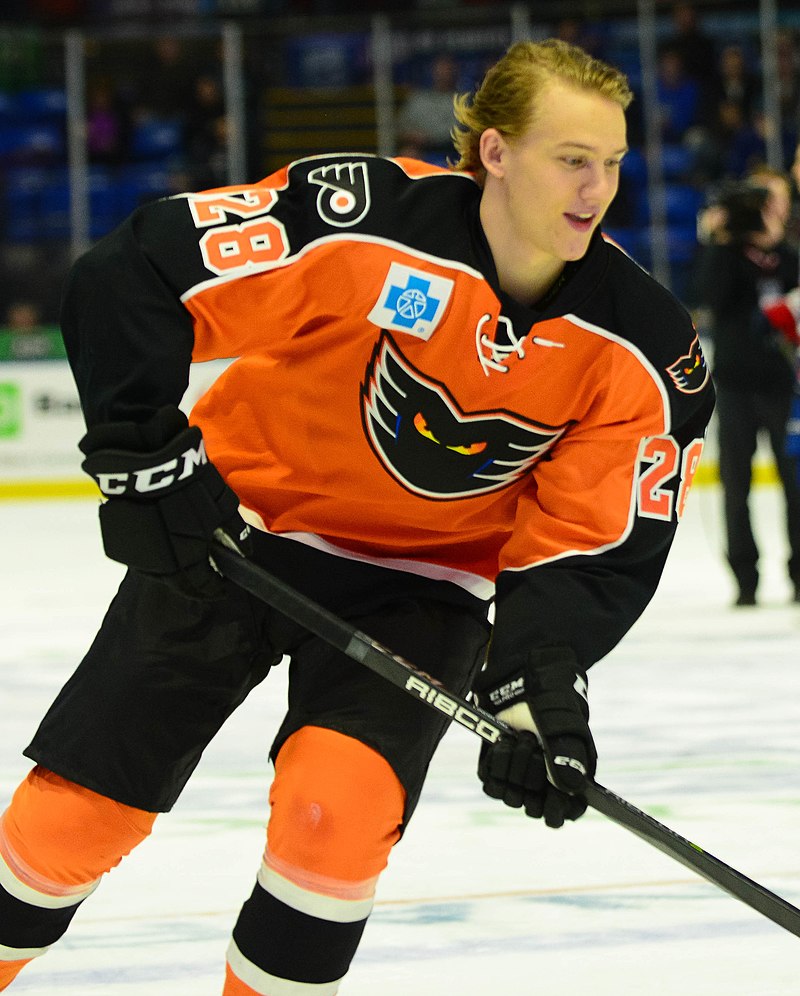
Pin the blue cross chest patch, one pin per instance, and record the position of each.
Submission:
(411, 301)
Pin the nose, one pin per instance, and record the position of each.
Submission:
(599, 184)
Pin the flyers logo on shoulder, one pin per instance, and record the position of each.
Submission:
(344, 196)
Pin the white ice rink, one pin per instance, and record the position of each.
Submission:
(696, 722)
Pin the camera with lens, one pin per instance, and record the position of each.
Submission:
(744, 205)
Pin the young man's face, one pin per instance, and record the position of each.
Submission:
(560, 176)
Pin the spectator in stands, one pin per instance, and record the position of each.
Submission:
(729, 146)
(107, 125)
(744, 268)
(749, 148)
(426, 119)
(678, 96)
(736, 83)
(793, 227)
(584, 33)
(206, 134)
(24, 336)
(788, 57)
(23, 316)
(22, 266)
(695, 48)
(165, 86)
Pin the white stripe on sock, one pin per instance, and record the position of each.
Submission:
(270, 985)
(20, 954)
(69, 896)
(312, 903)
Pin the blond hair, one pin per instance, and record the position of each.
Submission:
(507, 97)
(767, 172)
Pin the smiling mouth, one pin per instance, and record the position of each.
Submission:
(581, 222)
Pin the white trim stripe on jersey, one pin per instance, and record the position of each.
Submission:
(481, 587)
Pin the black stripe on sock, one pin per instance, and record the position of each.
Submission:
(294, 945)
(23, 925)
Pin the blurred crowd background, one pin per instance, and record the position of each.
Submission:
(105, 104)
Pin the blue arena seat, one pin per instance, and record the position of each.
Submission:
(157, 139)
(634, 167)
(31, 143)
(682, 202)
(144, 182)
(22, 202)
(677, 161)
(42, 104)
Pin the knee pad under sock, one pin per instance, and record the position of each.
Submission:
(56, 840)
(337, 807)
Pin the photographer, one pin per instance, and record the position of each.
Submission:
(745, 267)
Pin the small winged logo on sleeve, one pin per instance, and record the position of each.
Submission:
(689, 373)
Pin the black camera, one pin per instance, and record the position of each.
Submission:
(744, 205)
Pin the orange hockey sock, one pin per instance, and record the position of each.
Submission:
(336, 806)
(56, 840)
(64, 835)
(235, 987)
(337, 809)
(9, 970)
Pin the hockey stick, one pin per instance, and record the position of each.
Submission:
(362, 648)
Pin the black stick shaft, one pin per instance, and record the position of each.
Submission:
(360, 647)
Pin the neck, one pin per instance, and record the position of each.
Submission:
(527, 283)
(526, 276)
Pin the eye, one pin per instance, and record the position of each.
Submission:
(467, 449)
(574, 162)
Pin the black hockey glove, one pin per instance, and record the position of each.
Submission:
(164, 500)
(546, 767)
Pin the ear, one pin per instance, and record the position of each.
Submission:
(492, 148)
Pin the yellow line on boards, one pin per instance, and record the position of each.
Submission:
(45, 489)
(763, 473)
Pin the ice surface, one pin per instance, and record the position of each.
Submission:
(696, 720)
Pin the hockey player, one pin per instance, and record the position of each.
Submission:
(448, 389)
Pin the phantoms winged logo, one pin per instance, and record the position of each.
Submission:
(690, 373)
(344, 196)
(430, 445)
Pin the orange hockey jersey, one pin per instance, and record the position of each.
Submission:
(388, 402)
